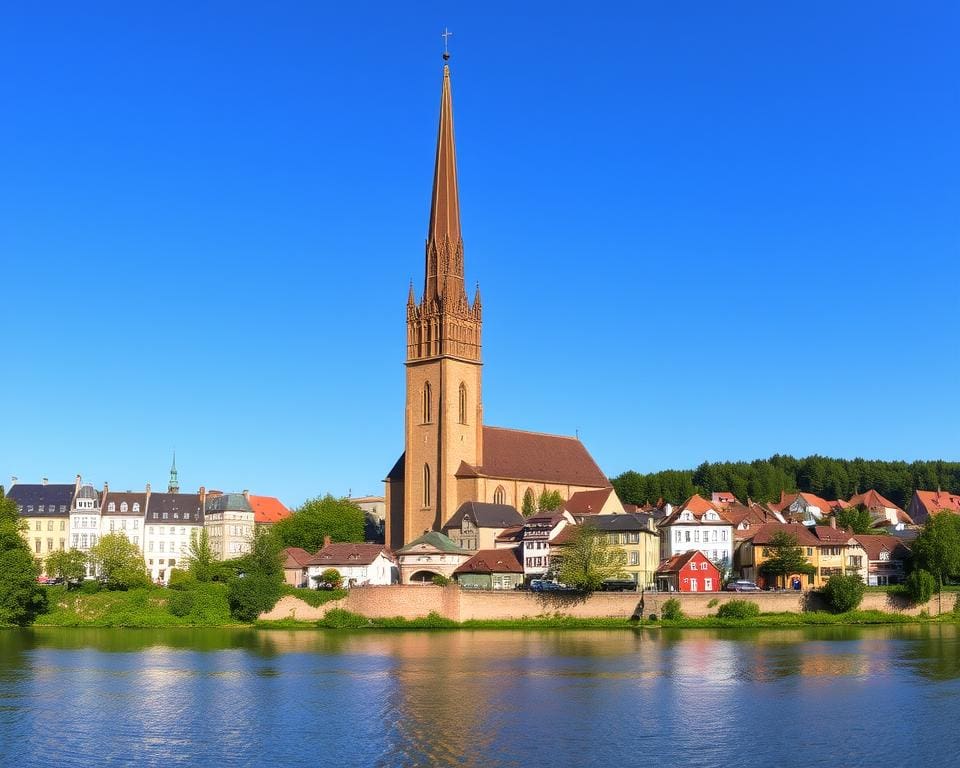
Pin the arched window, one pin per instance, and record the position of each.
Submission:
(463, 403)
(427, 404)
(426, 485)
(500, 495)
(123, 507)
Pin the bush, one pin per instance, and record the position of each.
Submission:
(332, 577)
(337, 618)
(252, 595)
(738, 609)
(90, 587)
(181, 579)
(440, 580)
(671, 610)
(844, 593)
(920, 585)
(180, 603)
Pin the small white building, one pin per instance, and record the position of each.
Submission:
(433, 554)
(123, 513)
(85, 521)
(698, 524)
(538, 530)
(357, 564)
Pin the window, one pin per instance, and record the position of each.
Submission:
(49, 525)
(693, 566)
(123, 507)
(41, 509)
(427, 405)
(49, 545)
(123, 525)
(703, 566)
(39, 525)
(426, 485)
(809, 551)
(111, 526)
(687, 536)
(136, 525)
(136, 540)
(677, 538)
(696, 535)
(884, 555)
(164, 515)
(463, 403)
(500, 495)
(634, 558)
(63, 525)
(136, 507)
(36, 545)
(112, 506)
(162, 544)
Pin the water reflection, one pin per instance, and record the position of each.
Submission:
(804, 696)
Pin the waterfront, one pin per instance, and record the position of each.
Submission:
(238, 697)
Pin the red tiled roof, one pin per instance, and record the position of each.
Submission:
(936, 501)
(872, 500)
(786, 499)
(566, 535)
(675, 564)
(294, 557)
(513, 533)
(492, 561)
(514, 454)
(874, 544)
(723, 497)
(588, 502)
(349, 554)
(801, 533)
(830, 535)
(267, 509)
(699, 506)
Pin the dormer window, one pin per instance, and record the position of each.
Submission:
(884, 555)
(123, 508)
(112, 506)
(686, 516)
(711, 516)
(136, 507)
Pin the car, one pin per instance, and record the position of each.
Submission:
(742, 585)
(619, 585)
(545, 585)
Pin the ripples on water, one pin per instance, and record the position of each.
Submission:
(811, 697)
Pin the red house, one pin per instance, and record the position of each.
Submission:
(689, 572)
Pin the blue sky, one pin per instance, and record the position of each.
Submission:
(702, 231)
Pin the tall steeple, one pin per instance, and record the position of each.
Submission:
(174, 485)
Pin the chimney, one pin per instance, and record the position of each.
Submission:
(833, 521)
(203, 498)
(326, 540)
(78, 482)
(106, 487)
(44, 481)
(246, 494)
(13, 480)
(148, 489)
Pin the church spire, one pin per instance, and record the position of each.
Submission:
(174, 485)
(444, 272)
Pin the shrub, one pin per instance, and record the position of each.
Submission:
(920, 585)
(332, 577)
(671, 610)
(844, 593)
(738, 609)
(337, 618)
(90, 587)
(180, 603)
(712, 603)
(440, 580)
(181, 579)
(252, 595)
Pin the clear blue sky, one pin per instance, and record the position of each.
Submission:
(702, 231)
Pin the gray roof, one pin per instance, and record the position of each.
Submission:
(177, 506)
(485, 515)
(631, 521)
(42, 500)
(232, 502)
(89, 492)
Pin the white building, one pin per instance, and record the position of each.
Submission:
(698, 524)
(358, 564)
(172, 520)
(538, 530)
(85, 521)
(123, 513)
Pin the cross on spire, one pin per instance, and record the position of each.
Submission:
(445, 35)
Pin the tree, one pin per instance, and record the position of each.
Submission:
(844, 592)
(786, 558)
(590, 559)
(68, 565)
(118, 562)
(529, 508)
(937, 548)
(21, 597)
(920, 585)
(549, 501)
(330, 576)
(201, 562)
(857, 519)
(340, 519)
(258, 583)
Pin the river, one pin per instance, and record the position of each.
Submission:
(837, 696)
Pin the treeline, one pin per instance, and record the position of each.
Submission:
(764, 479)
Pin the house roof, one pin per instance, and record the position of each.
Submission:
(492, 561)
(588, 502)
(828, 535)
(802, 533)
(675, 564)
(267, 509)
(513, 533)
(295, 557)
(872, 500)
(935, 501)
(874, 544)
(637, 521)
(232, 502)
(698, 507)
(349, 554)
(485, 515)
(54, 499)
(179, 504)
(723, 497)
(117, 498)
(432, 540)
(786, 499)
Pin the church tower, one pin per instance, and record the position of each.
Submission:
(173, 486)
(444, 411)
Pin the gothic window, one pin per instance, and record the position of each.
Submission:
(500, 495)
(463, 403)
(426, 485)
(427, 404)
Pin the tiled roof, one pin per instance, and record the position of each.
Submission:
(295, 557)
(802, 533)
(875, 544)
(492, 561)
(828, 535)
(786, 499)
(179, 504)
(267, 509)
(936, 501)
(588, 502)
(118, 498)
(54, 499)
(567, 534)
(675, 564)
(349, 554)
(513, 533)
(698, 506)
(723, 497)
(432, 540)
(485, 515)
(872, 500)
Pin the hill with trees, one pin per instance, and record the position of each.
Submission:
(764, 479)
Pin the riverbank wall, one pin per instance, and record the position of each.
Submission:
(411, 602)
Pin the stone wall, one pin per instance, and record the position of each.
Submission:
(462, 605)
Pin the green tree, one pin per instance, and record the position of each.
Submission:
(69, 565)
(118, 562)
(857, 519)
(589, 560)
(21, 597)
(201, 562)
(937, 548)
(259, 580)
(331, 576)
(786, 558)
(920, 585)
(549, 501)
(340, 519)
(844, 592)
(529, 507)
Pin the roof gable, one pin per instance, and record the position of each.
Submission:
(484, 515)
(492, 561)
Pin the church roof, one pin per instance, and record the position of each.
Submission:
(485, 515)
(445, 201)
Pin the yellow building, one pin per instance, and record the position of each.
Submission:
(634, 533)
(829, 551)
(45, 511)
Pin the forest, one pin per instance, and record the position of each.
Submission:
(764, 479)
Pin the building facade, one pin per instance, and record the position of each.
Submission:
(172, 521)
(45, 511)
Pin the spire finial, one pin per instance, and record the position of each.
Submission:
(446, 51)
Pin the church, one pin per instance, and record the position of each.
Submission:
(450, 457)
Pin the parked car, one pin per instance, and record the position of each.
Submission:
(742, 585)
(545, 585)
(619, 585)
